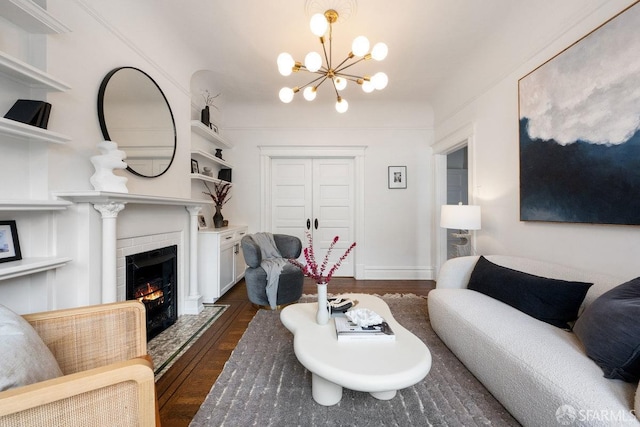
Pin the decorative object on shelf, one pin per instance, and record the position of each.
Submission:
(194, 166)
(336, 74)
(205, 114)
(110, 158)
(317, 273)
(463, 218)
(9, 244)
(34, 113)
(220, 197)
(219, 153)
(398, 177)
(214, 128)
(202, 223)
(224, 174)
(207, 171)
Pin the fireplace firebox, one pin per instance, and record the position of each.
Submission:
(151, 279)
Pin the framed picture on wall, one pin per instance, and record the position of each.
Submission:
(202, 223)
(578, 129)
(194, 166)
(397, 177)
(9, 244)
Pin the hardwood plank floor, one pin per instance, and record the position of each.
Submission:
(183, 388)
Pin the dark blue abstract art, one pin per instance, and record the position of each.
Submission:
(580, 129)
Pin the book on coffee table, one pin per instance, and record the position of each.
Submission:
(348, 331)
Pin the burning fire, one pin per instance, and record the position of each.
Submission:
(148, 293)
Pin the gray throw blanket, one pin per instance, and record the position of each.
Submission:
(272, 262)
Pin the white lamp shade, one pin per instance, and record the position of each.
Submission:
(313, 61)
(309, 93)
(360, 46)
(340, 82)
(461, 217)
(319, 24)
(380, 80)
(342, 106)
(286, 95)
(379, 51)
(368, 87)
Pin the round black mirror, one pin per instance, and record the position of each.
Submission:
(134, 113)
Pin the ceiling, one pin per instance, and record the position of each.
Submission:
(240, 40)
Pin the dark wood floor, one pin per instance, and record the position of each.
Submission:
(183, 388)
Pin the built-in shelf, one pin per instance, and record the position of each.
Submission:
(203, 154)
(200, 129)
(33, 205)
(201, 177)
(102, 197)
(28, 266)
(31, 17)
(33, 133)
(29, 75)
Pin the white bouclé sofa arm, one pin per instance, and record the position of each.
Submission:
(455, 273)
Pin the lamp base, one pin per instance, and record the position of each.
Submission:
(463, 245)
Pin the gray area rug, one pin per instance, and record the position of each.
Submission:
(263, 384)
(174, 341)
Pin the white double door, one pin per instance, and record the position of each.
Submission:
(315, 195)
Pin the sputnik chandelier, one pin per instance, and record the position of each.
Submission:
(338, 75)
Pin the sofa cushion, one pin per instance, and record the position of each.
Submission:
(552, 301)
(25, 358)
(610, 332)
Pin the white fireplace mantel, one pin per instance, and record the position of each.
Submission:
(109, 204)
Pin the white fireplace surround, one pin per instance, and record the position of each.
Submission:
(119, 214)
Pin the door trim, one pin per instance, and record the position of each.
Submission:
(351, 152)
(452, 142)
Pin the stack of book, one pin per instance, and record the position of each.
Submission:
(348, 331)
(34, 113)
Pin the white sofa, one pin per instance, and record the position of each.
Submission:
(539, 372)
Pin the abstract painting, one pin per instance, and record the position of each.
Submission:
(579, 129)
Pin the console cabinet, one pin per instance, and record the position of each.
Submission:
(220, 261)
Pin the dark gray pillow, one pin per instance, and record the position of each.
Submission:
(553, 301)
(610, 332)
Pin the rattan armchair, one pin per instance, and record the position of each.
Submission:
(108, 377)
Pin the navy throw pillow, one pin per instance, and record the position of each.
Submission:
(610, 332)
(553, 301)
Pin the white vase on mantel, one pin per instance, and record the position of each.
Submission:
(322, 316)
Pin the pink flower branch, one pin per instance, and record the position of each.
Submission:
(310, 269)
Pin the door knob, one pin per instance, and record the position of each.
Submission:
(316, 223)
(308, 223)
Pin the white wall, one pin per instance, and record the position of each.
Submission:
(397, 222)
(490, 105)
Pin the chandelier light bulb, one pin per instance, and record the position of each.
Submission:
(340, 83)
(342, 105)
(318, 24)
(368, 87)
(309, 93)
(380, 80)
(313, 61)
(379, 51)
(360, 46)
(285, 63)
(286, 95)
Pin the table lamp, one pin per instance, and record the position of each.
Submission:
(463, 218)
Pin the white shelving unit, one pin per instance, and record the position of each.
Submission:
(200, 129)
(210, 157)
(33, 19)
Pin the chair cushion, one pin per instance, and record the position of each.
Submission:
(25, 357)
(552, 301)
(609, 331)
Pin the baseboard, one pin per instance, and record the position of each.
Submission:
(398, 273)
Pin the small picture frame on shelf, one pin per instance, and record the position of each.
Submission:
(9, 244)
(194, 166)
(214, 128)
(202, 223)
(397, 177)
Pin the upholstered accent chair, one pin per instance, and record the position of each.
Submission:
(291, 277)
(107, 376)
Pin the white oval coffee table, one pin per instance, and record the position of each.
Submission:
(378, 367)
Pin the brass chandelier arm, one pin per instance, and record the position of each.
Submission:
(338, 69)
